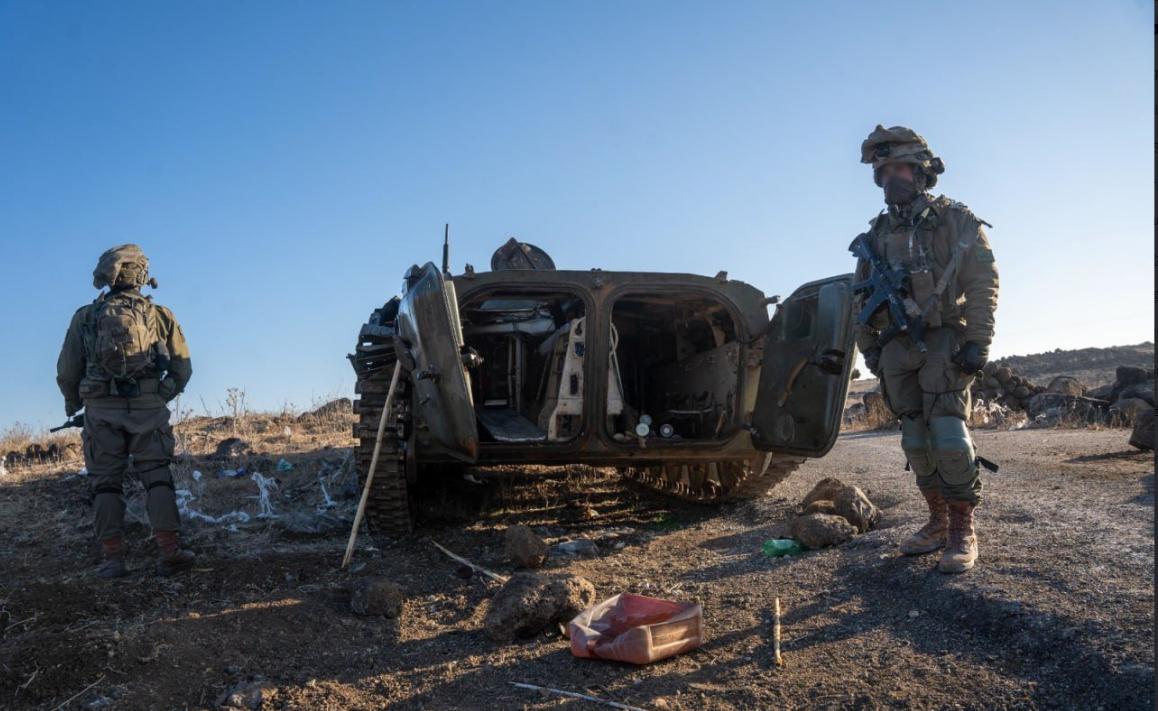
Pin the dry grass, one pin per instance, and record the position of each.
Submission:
(325, 426)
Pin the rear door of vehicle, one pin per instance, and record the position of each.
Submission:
(431, 334)
(808, 357)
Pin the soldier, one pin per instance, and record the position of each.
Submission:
(123, 359)
(942, 249)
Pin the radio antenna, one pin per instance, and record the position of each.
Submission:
(446, 250)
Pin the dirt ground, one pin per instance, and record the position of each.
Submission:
(1059, 613)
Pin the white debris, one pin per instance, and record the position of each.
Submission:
(265, 487)
(327, 501)
(185, 497)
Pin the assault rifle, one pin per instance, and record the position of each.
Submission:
(76, 421)
(891, 287)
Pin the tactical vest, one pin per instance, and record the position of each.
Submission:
(920, 247)
(124, 351)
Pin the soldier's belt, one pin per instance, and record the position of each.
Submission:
(119, 388)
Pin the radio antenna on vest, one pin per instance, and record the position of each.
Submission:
(446, 250)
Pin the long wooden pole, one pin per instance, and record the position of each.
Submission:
(373, 464)
(776, 633)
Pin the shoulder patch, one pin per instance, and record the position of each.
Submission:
(983, 254)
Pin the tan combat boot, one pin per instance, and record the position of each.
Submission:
(113, 553)
(174, 558)
(932, 535)
(961, 550)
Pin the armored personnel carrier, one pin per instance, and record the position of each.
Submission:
(681, 382)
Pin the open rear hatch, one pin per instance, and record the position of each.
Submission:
(808, 357)
(432, 349)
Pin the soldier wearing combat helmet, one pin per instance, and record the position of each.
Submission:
(123, 359)
(941, 249)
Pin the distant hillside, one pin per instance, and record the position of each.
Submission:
(1093, 366)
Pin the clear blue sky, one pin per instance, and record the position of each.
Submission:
(282, 163)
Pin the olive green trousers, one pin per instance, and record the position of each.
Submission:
(930, 395)
(114, 437)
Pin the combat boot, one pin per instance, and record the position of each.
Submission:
(174, 558)
(932, 535)
(961, 550)
(113, 554)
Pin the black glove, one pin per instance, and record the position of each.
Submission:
(71, 407)
(971, 357)
(872, 361)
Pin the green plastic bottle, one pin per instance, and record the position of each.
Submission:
(776, 547)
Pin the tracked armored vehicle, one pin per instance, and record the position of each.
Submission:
(681, 382)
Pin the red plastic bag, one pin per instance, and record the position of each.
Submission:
(636, 629)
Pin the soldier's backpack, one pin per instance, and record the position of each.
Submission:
(123, 336)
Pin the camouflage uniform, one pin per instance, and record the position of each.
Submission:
(123, 420)
(928, 390)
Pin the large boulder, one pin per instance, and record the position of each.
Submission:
(852, 504)
(1056, 406)
(1103, 392)
(826, 488)
(1003, 374)
(822, 506)
(528, 602)
(1130, 408)
(376, 596)
(820, 530)
(1143, 435)
(524, 548)
(1130, 375)
(877, 410)
(1142, 391)
(1066, 385)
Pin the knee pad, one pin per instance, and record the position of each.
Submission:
(917, 446)
(953, 450)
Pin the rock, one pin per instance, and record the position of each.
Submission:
(826, 488)
(341, 406)
(822, 506)
(990, 382)
(1003, 374)
(820, 530)
(524, 548)
(376, 596)
(855, 411)
(528, 602)
(1130, 375)
(1143, 435)
(1131, 408)
(877, 410)
(231, 447)
(1065, 385)
(989, 368)
(1058, 404)
(579, 547)
(1020, 392)
(305, 523)
(247, 695)
(855, 507)
(1104, 392)
(1142, 391)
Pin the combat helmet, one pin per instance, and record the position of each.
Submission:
(122, 266)
(899, 144)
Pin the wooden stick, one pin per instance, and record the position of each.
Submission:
(776, 632)
(472, 566)
(373, 464)
(69, 699)
(573, 695)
